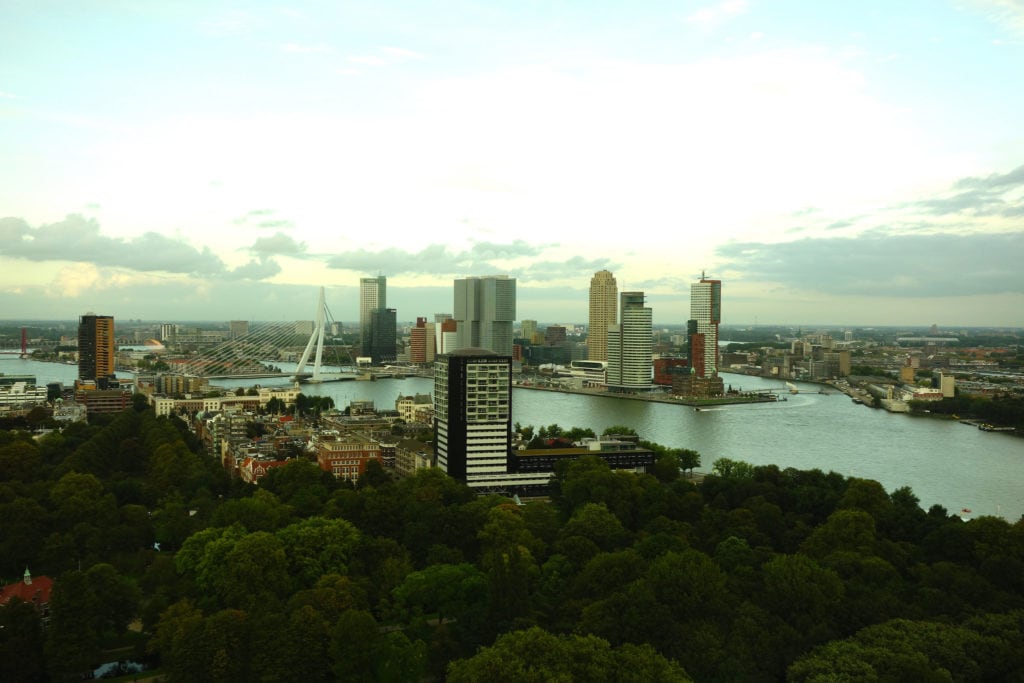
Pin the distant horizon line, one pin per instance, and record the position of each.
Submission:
(355, 322)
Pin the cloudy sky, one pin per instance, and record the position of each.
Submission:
(853, 163)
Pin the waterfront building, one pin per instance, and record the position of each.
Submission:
(383, 340)
(706, 314)
(630, 363)
(604, 293)
(485, 309)
(418, 342)
(96, 348)
(372, 296)
(666, 368)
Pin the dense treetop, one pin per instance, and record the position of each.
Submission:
(756, 573)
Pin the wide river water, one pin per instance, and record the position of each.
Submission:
(944, 462)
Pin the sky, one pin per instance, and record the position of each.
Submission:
(844, 163)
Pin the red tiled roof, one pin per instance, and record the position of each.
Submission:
(38, 591)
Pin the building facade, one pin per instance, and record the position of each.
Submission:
(705, 315)
(346, 456)
(630, 364)
(604, 297)
(96, 347)
(473, 414)
(485, 309)
(383, 344)
(372, 296)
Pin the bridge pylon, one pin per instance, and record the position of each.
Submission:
(316, 339)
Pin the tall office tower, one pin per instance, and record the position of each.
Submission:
(430, 341)
(630, 361)
(485, 308)
(706, 312)
(418, 342)
(604, 295)
(529, 328)
(372, 296)
(168, 331)
(473, 414)
(383, 336)
(95, 347)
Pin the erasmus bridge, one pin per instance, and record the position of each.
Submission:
(258, 353)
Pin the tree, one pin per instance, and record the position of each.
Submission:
(21, 642)
(360, 652)
(536, 656)
(726, 468)
(318, 546)
(619, 429)
(689, 459)
(72, 639)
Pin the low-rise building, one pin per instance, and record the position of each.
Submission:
(346, 455)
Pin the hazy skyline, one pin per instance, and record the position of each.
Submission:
(857, 164)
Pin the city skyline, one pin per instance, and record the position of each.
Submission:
(197, 162)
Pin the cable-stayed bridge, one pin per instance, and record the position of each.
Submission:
(266, 346)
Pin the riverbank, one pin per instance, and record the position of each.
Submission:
(660, 397)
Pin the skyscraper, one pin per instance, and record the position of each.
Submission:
(529, 330)
(383, 336)
(473, 414)
(705, 315)
(630, 363)
(418, 342)
(485, 308)
(95, 347)
(604, 294)
(372, 296)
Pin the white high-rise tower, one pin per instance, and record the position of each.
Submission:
(630, 346)
(706, 314)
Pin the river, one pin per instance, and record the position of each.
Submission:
(943, 461)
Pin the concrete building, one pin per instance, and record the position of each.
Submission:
(96, 348)
(630, 362)
(416, 408)
(706, 314)
(473, 413)
(604, 295)
(372, 296)
(485, 309)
